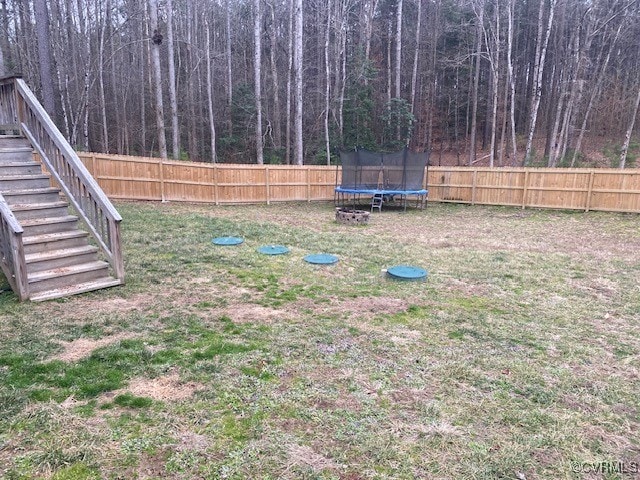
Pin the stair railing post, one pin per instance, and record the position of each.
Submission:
(22, 282)
(118, 261)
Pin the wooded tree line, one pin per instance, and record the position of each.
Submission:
(292, 81)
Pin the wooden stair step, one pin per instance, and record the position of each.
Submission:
(36, 226)
(22, 182)
(63, 252)
(104, 282)
(51, 237)
(65, 277)
(55, 241)
(39, 210)
(9, 146)
(20, 168)
(15, 154)
(32, 195)
(64, 257)
(27, 176)
(43, 221)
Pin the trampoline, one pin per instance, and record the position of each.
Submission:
(382, 176)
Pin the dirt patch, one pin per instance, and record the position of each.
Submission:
(189, 441)
(82, 347)
(375, 305)
(249, 313)
(303, 455)
(166, 388)
(153, 466)
(85, 307)
(412, 396)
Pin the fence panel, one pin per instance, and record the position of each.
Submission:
(616, 191)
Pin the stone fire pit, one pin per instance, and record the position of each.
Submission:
(349, 215)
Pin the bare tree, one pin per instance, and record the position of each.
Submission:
(212, 127)
(289, 82)
(229, 79)
(398, 46)
(327, 91)
(416, 55)
(479, 10)
(44, 57)
(512, 82)
(257, 69)
(173, 100)
(539, 62)
(101, 86)
(627, 137)
(298, 149)
(275, 77)
(156, 41)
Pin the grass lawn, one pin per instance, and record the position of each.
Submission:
(517, 358)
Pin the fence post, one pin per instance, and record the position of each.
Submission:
(161, 172)
(589, 191)
(474, 178)
(525, 188)
(266, 184)
(215, 184)
(308, 184)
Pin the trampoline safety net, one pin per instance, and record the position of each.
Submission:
(366, 170)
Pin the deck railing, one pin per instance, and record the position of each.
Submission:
(18, 105)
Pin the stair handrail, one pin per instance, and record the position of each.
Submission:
(12, 254)
(79, 186)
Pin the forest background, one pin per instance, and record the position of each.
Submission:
(475, 82)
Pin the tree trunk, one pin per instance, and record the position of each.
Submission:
(44, 57)
(277, 114)
(257, 64)
(541, 52)
(495, 83)
(192, 135)
(342, 67)
(370, 10)
(627, 137)
(212, 128)
(173, 100)
(476, 84)
(389, 43)
(595, 91)
(229, 82)
(103, 101)
(512, 83)
(298, 151)
(287, 155)
(398, 46)
(157, 77)
(327, 77)
(6, 64)
(414, 73)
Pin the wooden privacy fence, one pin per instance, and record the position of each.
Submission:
(611, 190)
(137, 178)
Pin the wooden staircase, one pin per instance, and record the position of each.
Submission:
(45, 252)
(59, 259)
